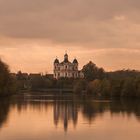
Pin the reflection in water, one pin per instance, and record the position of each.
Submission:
(67, 110)
(4, 111)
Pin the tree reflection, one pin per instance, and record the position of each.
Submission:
(66, 110)
(126, 106)
(4, 111)
(91, 109)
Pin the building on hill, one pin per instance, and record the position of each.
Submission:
(67, 69)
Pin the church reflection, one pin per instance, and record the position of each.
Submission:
(66, 110)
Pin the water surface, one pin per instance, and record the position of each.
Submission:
(42, 117)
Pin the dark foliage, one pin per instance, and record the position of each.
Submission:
(92, 72)
(7, 82)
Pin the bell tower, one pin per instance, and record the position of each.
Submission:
(66, 58)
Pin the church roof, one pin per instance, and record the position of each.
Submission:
(75, 61)
(56, 61)
(66, 55)
(66, 62)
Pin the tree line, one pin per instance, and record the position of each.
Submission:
(96, 82)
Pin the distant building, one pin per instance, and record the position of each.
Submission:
(22, 76)
(67, 69)
(34, 75)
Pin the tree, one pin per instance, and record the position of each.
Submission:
(105, 87)
(94, 87)
(116, 87)
(129, 88)
(7, 83)
(79, 86)
(92, 72)
(137, 82)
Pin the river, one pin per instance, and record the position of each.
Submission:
(68, 117)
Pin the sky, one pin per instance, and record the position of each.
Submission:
(34, 32)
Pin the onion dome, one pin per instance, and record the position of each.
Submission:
(75, 61)
(66, 55)
(66, 59)
(56, 61)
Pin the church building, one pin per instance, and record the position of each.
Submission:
(67, 69)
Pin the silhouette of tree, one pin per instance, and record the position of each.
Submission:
(92, 72)
(7, 83)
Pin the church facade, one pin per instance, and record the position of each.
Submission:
(67, 69)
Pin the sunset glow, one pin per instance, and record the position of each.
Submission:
(33, 33)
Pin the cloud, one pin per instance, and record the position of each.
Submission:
(75, 22)
(73, 25)
(119, 18)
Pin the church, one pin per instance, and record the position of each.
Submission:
(67, 69)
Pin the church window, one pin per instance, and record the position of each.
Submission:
(73, 75)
